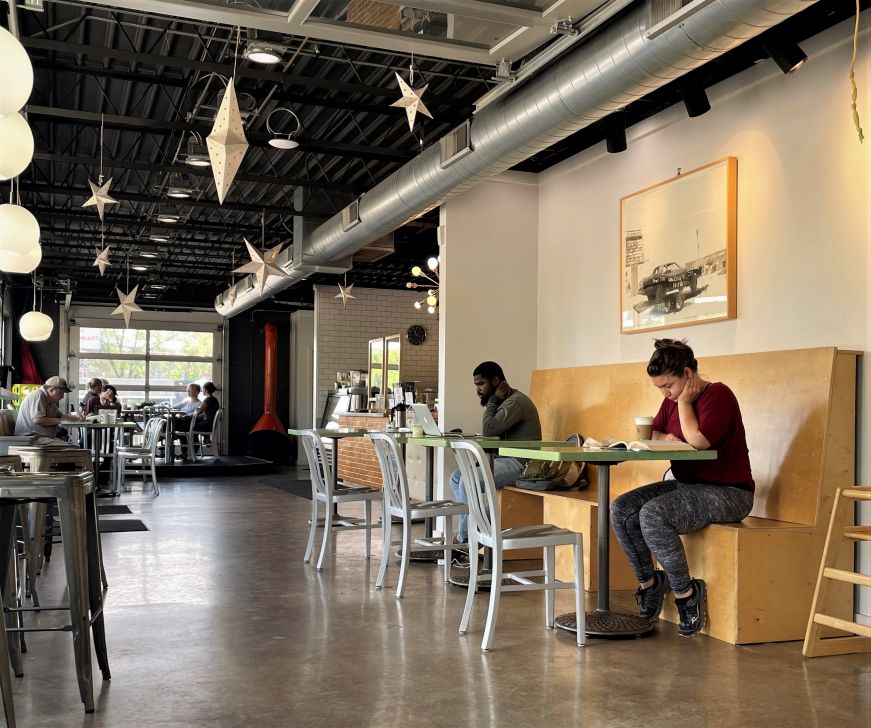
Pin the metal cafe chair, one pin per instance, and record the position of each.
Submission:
(486, 530)
(322, 492)
(140, 460)
(397, 503)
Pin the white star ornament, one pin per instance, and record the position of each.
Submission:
(263, 265)
(127, 306)
(100, 197)
(227, 143)
(411, 101)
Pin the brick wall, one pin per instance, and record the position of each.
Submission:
(358, 463)
(342, 335)
(373, 13)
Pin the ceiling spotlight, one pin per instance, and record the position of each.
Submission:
(168, 218)
(615, 132)
(788, 56)
(260, 52)
(694, 98)
(158, 286)
(197, 153)
(159, 238)
(179, 187)
(139, 267)
(149, 255)
(284, 139)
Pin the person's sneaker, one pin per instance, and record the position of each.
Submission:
(692, 609)
(650, 599)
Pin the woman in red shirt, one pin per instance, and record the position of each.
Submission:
(648, 521)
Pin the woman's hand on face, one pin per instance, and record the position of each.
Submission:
(692, 389)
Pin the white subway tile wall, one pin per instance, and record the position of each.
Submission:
(342, 335)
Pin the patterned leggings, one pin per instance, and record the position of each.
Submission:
(648, 520)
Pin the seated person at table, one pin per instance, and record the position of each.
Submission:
(208, 409)
(648, 520)
(92, 396)
(191, 403)
(40, 416)
(109, 398)
(508, 414)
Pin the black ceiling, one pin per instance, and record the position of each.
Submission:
(152, 82)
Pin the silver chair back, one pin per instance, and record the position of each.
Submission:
(477, 479)
(393, 476)
(153, 430)
(317, 463)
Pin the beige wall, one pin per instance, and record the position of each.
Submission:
(804, 220)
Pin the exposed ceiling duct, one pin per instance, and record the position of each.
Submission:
(613, 68)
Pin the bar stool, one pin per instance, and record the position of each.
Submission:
(74, 495)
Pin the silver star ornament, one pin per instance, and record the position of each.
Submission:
(227, 143)
(344, 293)
(263, 265)
(102, 260)
(127, 306)
(100, 197)
(411, 102)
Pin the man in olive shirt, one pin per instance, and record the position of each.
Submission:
(508, 414)
(40, 415)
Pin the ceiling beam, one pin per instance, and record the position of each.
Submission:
(199, 172)
(241, 71)
(158, 126)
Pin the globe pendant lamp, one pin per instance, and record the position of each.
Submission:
(16, 72)
(20, 251)
(16, 146)
(35, 325)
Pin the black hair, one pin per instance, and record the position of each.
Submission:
(671, 357)
(110, 388)
(488, 370)
(209, 387)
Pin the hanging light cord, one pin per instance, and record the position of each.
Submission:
(854, 90)
(102, 122)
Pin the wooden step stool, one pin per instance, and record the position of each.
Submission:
(841, 531)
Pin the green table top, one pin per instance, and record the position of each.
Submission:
(580, 454)
(332, 434)
(486, 443)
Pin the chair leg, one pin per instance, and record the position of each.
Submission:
(328, 532)
(367, 513)
(580, 616)
(473, 585)
(311, 533)
(495, 593)
(549, 582)
(29, 556)
(385, 547)
(154, 475)
(6, 680)
(446, 540)
(406, 556)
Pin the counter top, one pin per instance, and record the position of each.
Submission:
(382, 415)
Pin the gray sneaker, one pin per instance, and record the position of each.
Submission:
(692, 609)
(650, 599)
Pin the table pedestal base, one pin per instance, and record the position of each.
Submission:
(424, 556)
(605, 624)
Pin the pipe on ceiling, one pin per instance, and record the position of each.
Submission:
(613, 68)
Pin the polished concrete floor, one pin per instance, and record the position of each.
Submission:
(213, 620)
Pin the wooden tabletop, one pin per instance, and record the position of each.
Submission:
(579, 454)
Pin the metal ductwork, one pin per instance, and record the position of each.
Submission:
(608, 71)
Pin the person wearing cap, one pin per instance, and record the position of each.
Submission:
(39, 413)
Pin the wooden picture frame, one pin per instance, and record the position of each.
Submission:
(678, 241)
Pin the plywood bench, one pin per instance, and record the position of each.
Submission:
(799, 410)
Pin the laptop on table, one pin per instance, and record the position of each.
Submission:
(423, 417)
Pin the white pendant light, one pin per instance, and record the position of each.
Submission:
(35, 326)
(16, 145)
(20, 251)
(16, 72)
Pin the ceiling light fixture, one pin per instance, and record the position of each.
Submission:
(788, 56)
(159, 238)
(615, 132)
(284, 140)
(432, 294)
(694, 98)
(149, 255)
(266, 53)
(139, 267)
(197, 153)
(179, 187)
(170, 219)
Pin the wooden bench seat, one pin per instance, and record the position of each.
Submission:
(799, 412)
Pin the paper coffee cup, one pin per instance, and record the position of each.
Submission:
(643, 428)
(417, 430)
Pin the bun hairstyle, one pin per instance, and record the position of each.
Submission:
(671, 357)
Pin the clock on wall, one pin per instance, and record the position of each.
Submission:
(416, 335)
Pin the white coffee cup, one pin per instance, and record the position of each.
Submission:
(644, 428)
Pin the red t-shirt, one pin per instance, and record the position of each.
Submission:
(721, 424)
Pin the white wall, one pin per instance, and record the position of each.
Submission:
(804, 220)
(488, 292)
(302, 347)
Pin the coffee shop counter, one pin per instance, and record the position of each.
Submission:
(358, 463)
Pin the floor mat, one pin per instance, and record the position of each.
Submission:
(120, 525)
(299, 488)
(113, 510)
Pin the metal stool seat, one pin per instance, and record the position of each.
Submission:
(74, 495)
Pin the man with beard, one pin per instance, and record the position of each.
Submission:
(508, 414)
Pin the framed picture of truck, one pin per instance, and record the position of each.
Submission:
(677, 250)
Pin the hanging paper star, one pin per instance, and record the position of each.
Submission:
(102, 260)
(411, 102)
(344, 293)
(227, 143)
(262, 265)
(128, 305)
(100, 197)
